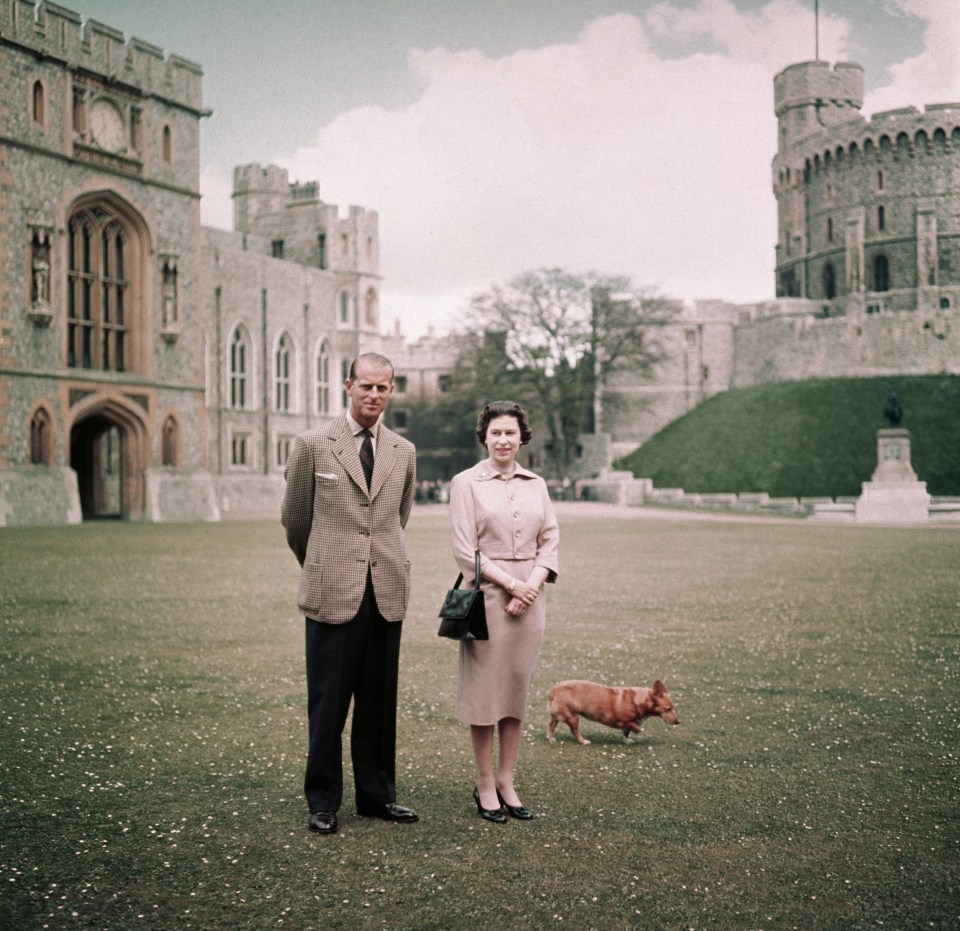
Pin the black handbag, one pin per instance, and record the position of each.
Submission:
(463, 615)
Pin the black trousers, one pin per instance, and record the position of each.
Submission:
(358, 660)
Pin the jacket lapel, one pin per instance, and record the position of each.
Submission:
(345, 449)
(383, 461)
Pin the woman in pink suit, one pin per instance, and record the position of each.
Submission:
(505, 512)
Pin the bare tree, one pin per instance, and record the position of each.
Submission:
(552, 339)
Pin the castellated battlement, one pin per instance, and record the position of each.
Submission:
(905, 130)
(297, 225)
(54, 32)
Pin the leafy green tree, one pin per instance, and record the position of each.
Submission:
(551, 340)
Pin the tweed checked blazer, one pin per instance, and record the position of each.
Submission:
(337, 528)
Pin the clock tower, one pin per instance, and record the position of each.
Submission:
(102, 384)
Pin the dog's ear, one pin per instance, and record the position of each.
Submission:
(658, 688)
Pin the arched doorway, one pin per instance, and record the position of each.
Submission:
(106, 451)
(96, 455)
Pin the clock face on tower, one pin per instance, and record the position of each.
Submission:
(106, 125)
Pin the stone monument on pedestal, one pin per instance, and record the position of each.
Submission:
(893, 495)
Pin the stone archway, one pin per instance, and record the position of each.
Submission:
(107, 446)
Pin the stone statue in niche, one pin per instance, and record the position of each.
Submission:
(40, 266)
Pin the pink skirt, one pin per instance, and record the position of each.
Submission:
(494, 675)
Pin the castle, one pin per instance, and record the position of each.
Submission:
(867, 259)
(152, 369)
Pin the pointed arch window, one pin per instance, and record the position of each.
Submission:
(167, 145)
(323, 379)
(344, 307)
(371, 308)
(99, 306)
(39, 103)
(41, 437)
(170, 442)
(344, 375)
(829, 282)
(239, 359)
(282, 373)
(881, 219)
(881, 273)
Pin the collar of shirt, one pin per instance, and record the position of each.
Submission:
(357, 431)
(485, 474)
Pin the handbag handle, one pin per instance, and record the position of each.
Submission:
(476, 572)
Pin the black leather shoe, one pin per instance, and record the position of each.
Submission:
(324, 822)
(515, 811)
(391, 812)
(495, 815)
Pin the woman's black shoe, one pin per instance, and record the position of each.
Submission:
(495, 815)
(515, 811)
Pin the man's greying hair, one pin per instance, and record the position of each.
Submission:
(373, 357)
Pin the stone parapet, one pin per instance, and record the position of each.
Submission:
(54, 32)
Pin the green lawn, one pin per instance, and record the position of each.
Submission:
(805, 439)
(153, 735)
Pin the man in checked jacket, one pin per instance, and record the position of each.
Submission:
(350, 486)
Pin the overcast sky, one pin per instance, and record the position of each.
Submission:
(628, 137)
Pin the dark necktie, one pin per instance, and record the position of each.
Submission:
(366, 455)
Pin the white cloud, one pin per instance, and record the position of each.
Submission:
(643, 149)
(216, 206)
(933, 76)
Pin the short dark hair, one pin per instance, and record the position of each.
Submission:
(503, 409)
(376, 359)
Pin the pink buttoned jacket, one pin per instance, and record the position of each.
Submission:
(506, 520)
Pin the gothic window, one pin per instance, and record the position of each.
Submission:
(239, 358)
(170, 442)
(829, 282)
(136, 129)
(323, 379)
(38, 104)
(881, 219)
(167, 145)
(282, 365)
(881, 273)
(345, 244)
(79, 111)
(344, 375)
(370, 308)
(99, 294)
(344, 307)
(284, 445)
(41, 437)
(829, 229)
(881, 181)
(238, 449)
(322, 249)
(401, 383)
(828, 194)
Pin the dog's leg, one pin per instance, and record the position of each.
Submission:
(550, 727)
(574, 723)
(628, 731)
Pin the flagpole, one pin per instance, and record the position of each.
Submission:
(816, 28)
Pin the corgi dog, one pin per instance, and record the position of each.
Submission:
(623, 707)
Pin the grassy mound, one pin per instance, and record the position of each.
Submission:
(813, 438)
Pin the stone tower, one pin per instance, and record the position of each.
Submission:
(101, 330)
